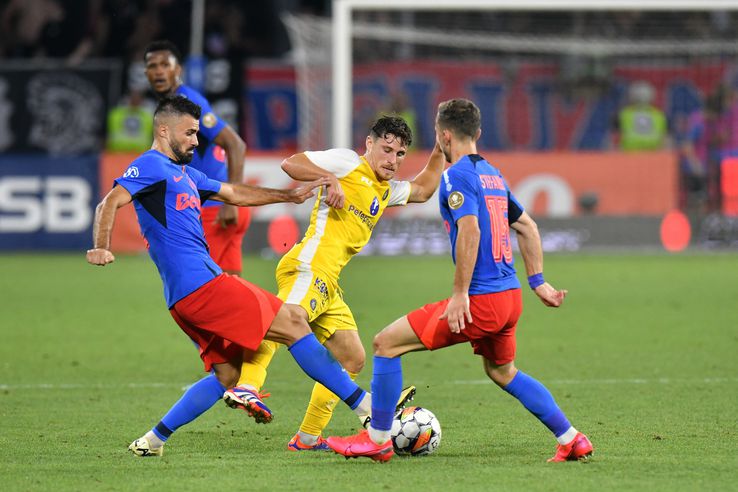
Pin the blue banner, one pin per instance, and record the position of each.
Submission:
(47, 202)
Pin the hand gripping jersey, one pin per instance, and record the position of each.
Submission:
(167, 198)
(472, 186)
(336, 235)
(209, 158)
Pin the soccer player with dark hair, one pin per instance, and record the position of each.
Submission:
(222, 313)
(223, 224)
(219, 156)
(478, 210)
(359, 189)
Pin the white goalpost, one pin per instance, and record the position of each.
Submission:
(344, 28)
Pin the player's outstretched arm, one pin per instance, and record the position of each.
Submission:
(426, 182)
(529, 241)
(102, 227)
(245, 195)
(235, 148)
(300, 168)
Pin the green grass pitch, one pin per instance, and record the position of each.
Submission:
(643, 357)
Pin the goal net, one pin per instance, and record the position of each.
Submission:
(545, 79)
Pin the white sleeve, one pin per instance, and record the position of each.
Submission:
(340, 162)
(399, 193)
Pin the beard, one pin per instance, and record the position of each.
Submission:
(182, 156)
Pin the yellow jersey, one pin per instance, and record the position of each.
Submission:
(336, 235)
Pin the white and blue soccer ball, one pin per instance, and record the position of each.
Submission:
(416, 432)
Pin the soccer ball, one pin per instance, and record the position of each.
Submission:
(415, 431)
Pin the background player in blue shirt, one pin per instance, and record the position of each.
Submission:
(478, 211)
(223, 314)
(219, 156)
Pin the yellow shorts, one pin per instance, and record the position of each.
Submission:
(319, 295)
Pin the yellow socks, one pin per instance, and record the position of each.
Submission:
(254, 369)
(320, 409)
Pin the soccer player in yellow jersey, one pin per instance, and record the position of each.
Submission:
(346, 211)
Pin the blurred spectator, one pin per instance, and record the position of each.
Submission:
(117, 22)
(400, 107)
(175, 20)
(642, 126)
(729, 123)
(700, 156)
(264, 34)
(726, 141)
(146, 28)
(130, 125)
(50, 28)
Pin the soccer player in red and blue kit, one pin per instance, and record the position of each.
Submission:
(219, 156)
(223, 314)
(478, 211)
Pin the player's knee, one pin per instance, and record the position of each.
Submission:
(228, 374)
(355, 363)
(501, 375)
(383, 346)
(378, 344)
(227, 381)
(347, 349)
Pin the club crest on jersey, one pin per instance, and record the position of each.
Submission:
(313, 304)
(455, 200)
(131, 172)
(374, 207)
(209, 120)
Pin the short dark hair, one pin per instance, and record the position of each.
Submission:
(461, 116)
(177, 106)
(389, 124)
(163, 45)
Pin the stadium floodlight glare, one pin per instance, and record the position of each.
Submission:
(343, 30)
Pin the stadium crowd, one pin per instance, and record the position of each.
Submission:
(79, 29)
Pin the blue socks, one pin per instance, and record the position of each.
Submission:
(312, 357)
(386, 389)
(319, 364)
(196, 400)
(539, 401)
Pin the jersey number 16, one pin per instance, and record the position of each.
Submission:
(501, 247)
